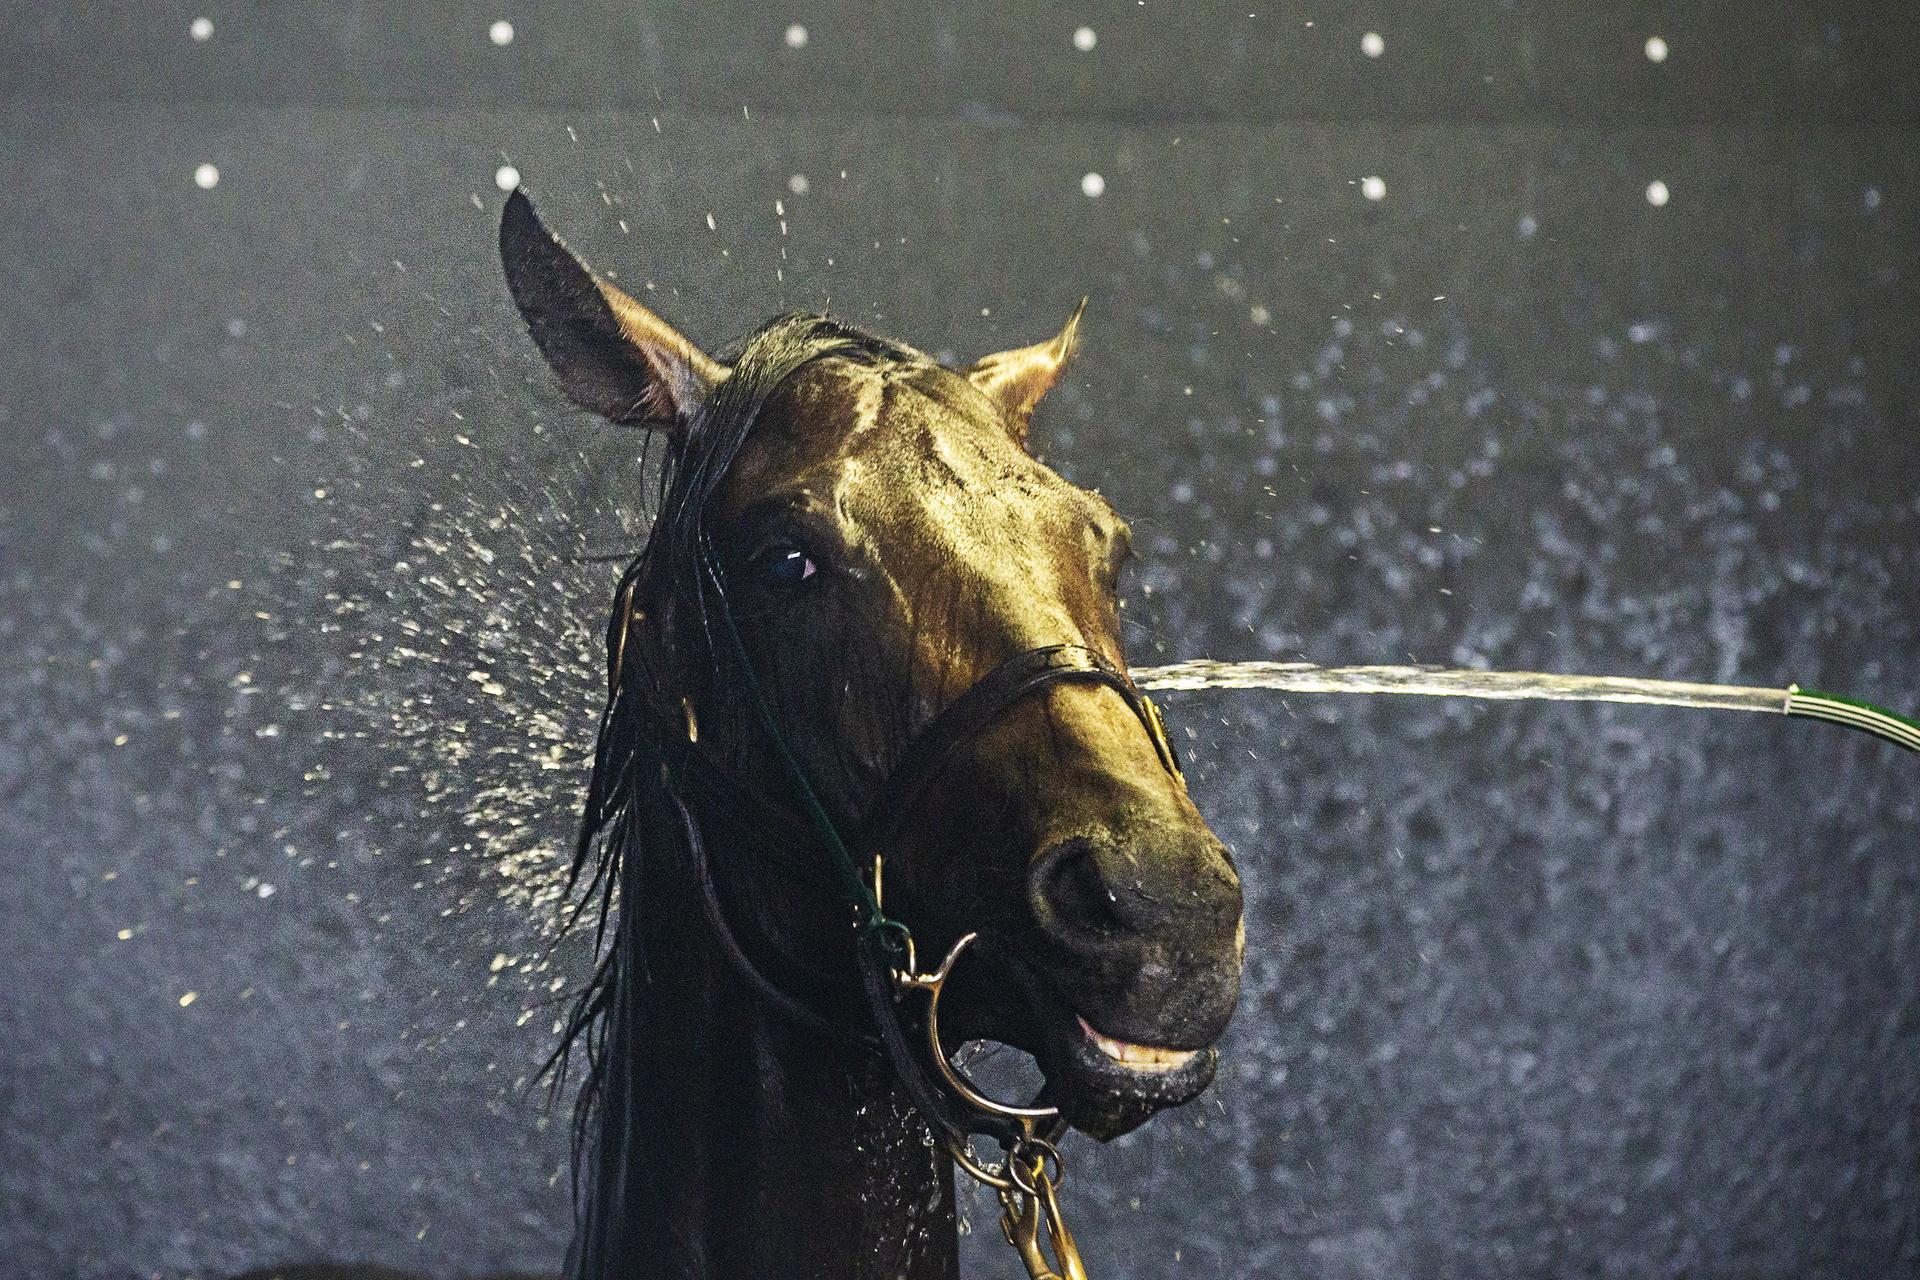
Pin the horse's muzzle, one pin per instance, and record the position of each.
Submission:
(1139, 945)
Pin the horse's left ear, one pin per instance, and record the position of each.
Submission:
(1015, 380)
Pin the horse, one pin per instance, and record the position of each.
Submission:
(867, 705)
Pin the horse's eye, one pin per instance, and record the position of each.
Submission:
(784, 565)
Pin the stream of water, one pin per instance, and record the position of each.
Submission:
(1514, 686)
(1307, 677)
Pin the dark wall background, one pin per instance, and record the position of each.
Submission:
(297, 678)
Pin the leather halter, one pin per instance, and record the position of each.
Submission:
(953, 1116)
(946, 1103)
(1028, 1180)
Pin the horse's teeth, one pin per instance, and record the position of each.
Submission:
(1145, 1057)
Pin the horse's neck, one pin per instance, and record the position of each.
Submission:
(775, 1151)
(782, 1161)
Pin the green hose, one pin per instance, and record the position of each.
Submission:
(1811, 704)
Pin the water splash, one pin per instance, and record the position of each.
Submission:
(431, 650)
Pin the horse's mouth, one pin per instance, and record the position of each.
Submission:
(1106, 1087)
(1140, 1057)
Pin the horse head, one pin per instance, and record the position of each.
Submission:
(882, 541)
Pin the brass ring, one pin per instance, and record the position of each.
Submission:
(934, 984)
(1023, 1157)
(990, 1175)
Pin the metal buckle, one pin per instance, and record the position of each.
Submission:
(1157, 727)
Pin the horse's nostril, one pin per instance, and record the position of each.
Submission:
(1069, 888)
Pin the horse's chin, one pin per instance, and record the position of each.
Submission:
(1106, 1088)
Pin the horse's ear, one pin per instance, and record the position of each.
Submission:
(1015, 380)
(613, 356)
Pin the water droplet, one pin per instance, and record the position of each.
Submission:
(1657, 193)
(1656, 49)
(206, 177)
(1084, 39)
(796, 36)
(797, 184)
(506, 177)
(1373, 188)
(1092, 185)
(201, 29)
(1373, 44)
(501, 33)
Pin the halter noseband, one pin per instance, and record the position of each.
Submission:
(975, 710)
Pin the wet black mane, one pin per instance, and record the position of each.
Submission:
(627, 811)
